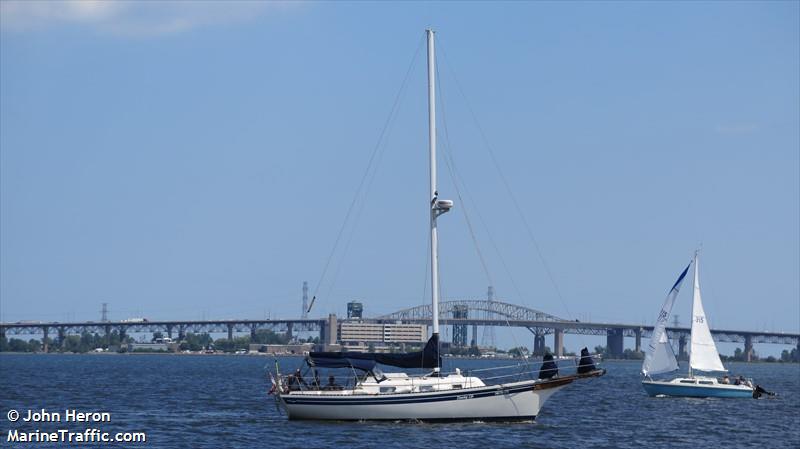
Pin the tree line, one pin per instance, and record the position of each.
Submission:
(87, 342)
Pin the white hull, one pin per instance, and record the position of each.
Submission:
(698, 387)
(518, 401)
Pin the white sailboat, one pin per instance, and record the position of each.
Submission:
(703, 354)
(435, 396)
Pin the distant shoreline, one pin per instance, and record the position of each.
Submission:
(227, 354)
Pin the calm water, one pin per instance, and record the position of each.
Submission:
(220, 402)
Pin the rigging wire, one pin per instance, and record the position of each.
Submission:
(510, 192)
(450, 163)
(370, 164)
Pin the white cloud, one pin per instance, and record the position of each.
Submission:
(138, 18)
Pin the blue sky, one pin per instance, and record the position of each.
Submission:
(189, 160)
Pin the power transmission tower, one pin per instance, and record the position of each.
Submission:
(104, 313)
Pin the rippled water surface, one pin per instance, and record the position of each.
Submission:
(221, 402)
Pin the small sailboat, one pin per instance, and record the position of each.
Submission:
(436, 395)
(703, 355)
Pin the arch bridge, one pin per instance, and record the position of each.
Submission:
(491, 310)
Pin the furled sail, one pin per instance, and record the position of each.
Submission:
(427, 358)
(703, 355)
(659, 357)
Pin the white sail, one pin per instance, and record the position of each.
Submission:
(703, 355)
(659, 357)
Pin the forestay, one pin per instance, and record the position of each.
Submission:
(704, 355)
(660, 357)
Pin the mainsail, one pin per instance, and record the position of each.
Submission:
(703, 355)
(660, 358)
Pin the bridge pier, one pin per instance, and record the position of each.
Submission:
(614, 342)
(62, 336)
(289, 331)
(682, 347)
(122, 335)
(181, 332)
(330, 331)
(638, 333)
(474, 342)
(230, 332)
(748, 348)
(253, 329)
(45, 339)
(107, 328)
(169, 331)
(538, 344)
(558, 342)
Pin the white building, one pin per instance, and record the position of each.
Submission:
(353, 333)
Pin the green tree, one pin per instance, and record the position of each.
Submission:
(267, 337)
(630, 354)
(196, 342)
(17, 345)
(34, 345)
(72, 343)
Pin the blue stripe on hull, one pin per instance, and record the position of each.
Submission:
(694, 391)
(503, 419)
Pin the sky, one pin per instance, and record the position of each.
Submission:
(188, 160)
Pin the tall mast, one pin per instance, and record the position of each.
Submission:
(437, 206)
(695, 287)
(434, 193)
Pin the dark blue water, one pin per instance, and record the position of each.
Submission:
(221, 402)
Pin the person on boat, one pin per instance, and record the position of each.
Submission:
(296, 380)
(332, 384)
(549, 368)
(586, 364)
(725, 380)
(742, 381)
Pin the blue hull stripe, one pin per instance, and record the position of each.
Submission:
(503, 419)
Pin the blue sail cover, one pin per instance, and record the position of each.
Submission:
(427, 358)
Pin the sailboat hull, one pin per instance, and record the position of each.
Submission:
(693, 388)
(519, 401)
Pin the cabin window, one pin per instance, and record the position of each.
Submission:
(387, 389)
(687, 382)
(424, 388)
(706, 382)
(456, 386)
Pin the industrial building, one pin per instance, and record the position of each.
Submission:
(357, 335)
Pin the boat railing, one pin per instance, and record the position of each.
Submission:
(526, 369)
